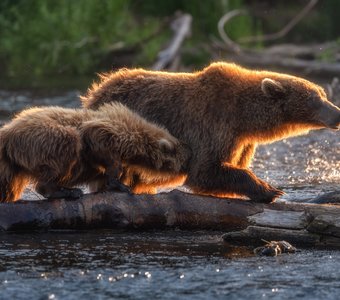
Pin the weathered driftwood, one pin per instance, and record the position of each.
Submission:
(265, 37)
(245, 222)
(168, 58)
(120, 210)
(298, 223)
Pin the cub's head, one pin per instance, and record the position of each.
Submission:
(300, 102)
(167, 153)
(153, 148)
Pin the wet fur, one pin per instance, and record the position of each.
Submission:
(58, 148)
(222, 112)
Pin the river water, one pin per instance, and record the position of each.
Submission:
(172, 264)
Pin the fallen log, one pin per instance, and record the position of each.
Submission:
(245, 222)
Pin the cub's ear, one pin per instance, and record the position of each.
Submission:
(166, 145)
(272, 87)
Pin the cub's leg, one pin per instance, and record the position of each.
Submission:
(108, 181)
(52, 190)
(54, 171)
(102, 153)
(12, 182)
(113, 171)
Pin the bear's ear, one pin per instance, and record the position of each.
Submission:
(272, 87)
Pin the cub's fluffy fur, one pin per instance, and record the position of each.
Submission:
(58, 148)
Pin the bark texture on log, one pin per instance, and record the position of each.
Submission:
(119, 210)
(245, 222)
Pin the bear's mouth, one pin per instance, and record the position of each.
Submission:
(335, 126)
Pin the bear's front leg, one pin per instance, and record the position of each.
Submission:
(223, 180)
(246, 156)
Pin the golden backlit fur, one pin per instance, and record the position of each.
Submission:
(222, 112)
(58, 148)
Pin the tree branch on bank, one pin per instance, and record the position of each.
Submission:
(302, 58)
(168, 58)
(261, 38)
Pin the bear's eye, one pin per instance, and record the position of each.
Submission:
(315, 101)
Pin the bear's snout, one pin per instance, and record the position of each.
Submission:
(329, 116)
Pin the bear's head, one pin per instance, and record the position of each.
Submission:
(301, 102)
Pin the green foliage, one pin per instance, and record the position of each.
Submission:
(49, 37)
(62, 36)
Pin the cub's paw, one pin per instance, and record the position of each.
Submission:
(116, 185)
(74, 193)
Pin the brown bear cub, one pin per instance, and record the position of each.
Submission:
(59, 148)
(222, 112)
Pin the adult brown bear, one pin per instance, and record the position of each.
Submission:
(222, 113)
(59, 148)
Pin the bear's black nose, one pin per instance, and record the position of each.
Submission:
(329, 115)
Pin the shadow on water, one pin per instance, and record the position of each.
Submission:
(170, 264)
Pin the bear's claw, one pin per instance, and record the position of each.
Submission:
(268, 196)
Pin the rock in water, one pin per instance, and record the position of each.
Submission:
(327, 198)
(275, 248)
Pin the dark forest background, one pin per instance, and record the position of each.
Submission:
(40, 38)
